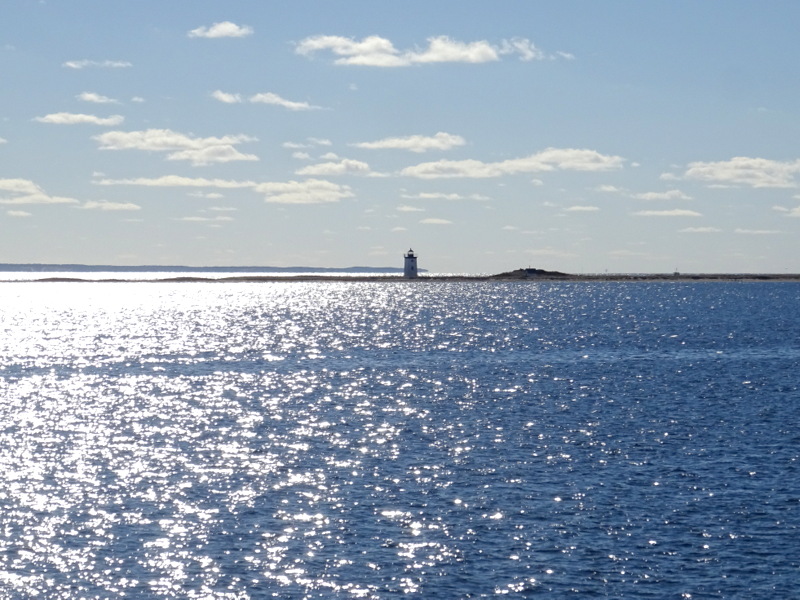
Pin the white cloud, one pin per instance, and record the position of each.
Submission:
(199, 151)
(178, 181)
(795, 212)
(105, 205)
(700, 230)
(225, 97)
(24, 191)
(221, 30)
(435, 222)
(741, 170)
(416, 143)
(443, 196)
(375, 51)
(275, 99)
(208, 195)
(677, 212)
(525, 48)
(218, 219)
(582, 209)
(137, 99)
(669, 195)
(18, 213)
(3, 141)
(310, 143)
(96, 98)
(103, 64)
(406, 208)
(212, 154)
(549, 159)
(311, 191)
(756, 231)
(301, 155)
(64, 118)
(343, 167)
(263, 98)
(608, 189)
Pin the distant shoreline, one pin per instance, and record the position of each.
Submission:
(503, 278)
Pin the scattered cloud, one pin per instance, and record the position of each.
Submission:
(343, 167)
(105, 205)
(740, 170)
(64, 118)
(669, 195)
(756, 231)
(226, 97)
(223, 29)
(407, 208)
(137, 99)
(263, 98)
(311, 191)
(24, 191)
(3, 141)
(95, 98)
(375, 51)
(213, 220)
(677, 212)
(700, 230)
(550, 159)
(443, 196)
(582, 209)
(270, 98)
(320, 141)
(198, 151)
(608, 189)
(178, 181)
(416, 143)
(207, 195)
(18, 213)
(102, 64)
(435, 222)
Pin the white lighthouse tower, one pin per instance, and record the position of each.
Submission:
(410, 265)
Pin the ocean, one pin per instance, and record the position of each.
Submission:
(416, 439)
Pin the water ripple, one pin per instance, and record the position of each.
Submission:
(365, 440)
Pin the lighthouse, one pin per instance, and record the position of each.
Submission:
(410, 265)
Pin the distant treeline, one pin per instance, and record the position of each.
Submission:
(63, 268)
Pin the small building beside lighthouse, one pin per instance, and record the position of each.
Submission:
(410, 265)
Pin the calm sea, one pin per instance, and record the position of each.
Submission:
(399, 439)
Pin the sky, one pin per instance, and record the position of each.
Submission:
(579, 136)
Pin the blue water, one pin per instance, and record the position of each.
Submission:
(415, 439)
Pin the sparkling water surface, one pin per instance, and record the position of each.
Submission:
(387, 439)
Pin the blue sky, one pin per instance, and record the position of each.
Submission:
(581, 136)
